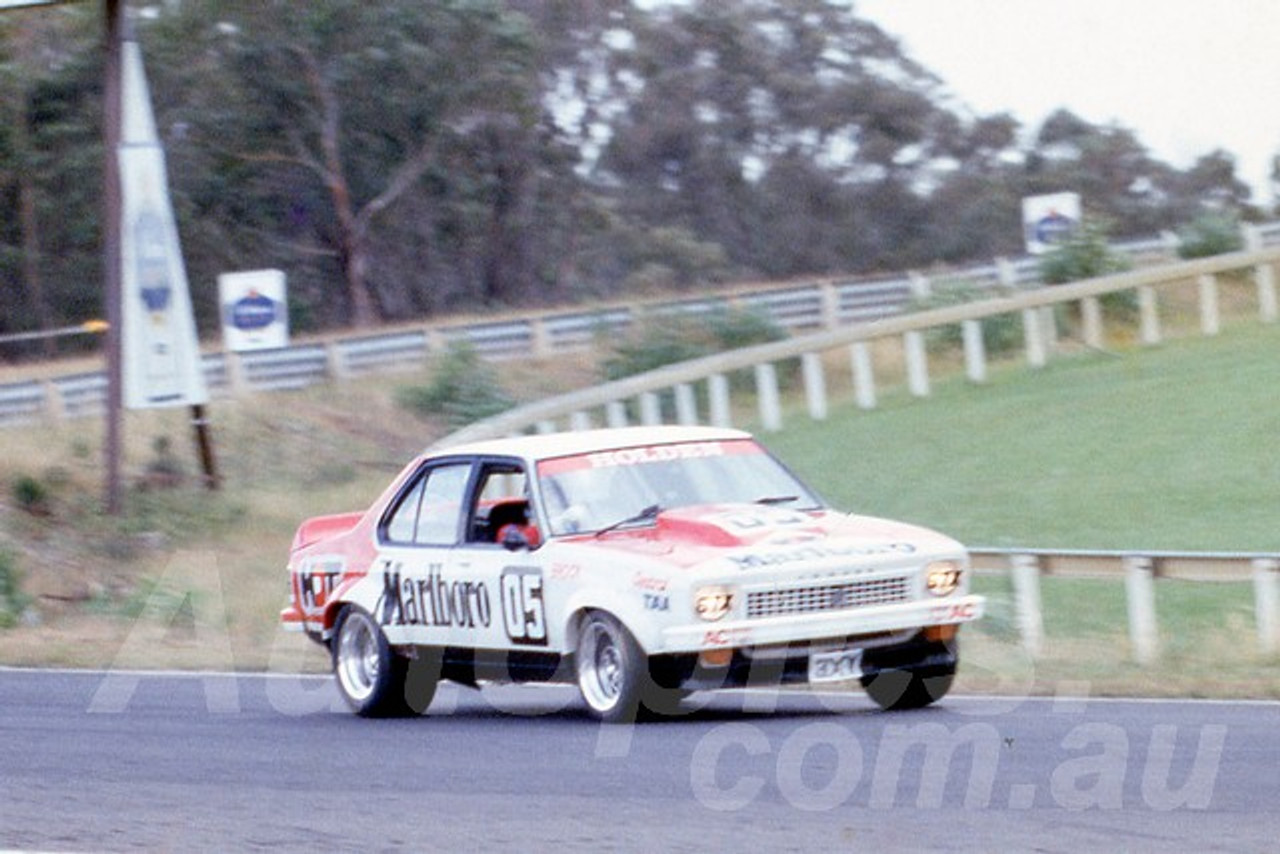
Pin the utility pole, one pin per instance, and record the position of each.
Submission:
(112, 109)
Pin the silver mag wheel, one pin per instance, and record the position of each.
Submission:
(611, 668)
(373, 679)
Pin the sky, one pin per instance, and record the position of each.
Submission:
(1186, 76)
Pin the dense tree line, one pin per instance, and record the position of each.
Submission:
(400, 159)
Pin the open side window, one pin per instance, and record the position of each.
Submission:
(501, 505)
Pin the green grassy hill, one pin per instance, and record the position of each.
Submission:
(1168, 448)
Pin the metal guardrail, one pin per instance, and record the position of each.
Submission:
(1094, 563)
(797, 307)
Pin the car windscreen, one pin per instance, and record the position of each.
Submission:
(589, 492)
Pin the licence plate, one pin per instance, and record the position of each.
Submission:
(834, 665)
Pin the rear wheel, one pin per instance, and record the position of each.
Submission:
(373, 679)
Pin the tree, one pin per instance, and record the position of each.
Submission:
(1122, 182)
(368, 102)
(400, 158)
(50, 169)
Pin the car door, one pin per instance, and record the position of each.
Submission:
(501, 553)
(427, 598)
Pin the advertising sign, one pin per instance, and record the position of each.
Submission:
(254, 310)
(1048, 220)
(160, 351)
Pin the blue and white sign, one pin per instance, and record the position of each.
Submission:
(1049, 220)
(255, 313)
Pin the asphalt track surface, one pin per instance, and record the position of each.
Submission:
(165, 762)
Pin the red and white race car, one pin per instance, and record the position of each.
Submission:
(640, 563)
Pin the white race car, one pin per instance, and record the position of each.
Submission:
(640, 563)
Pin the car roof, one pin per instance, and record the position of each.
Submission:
(550, 445)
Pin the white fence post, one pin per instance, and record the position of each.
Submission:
(1263, 274)
(830, 305)
(1091, 321)
(921, 289)
(1266, 589)
(1006, 275)
(686, 405)
(615, 413)
(815, 386)
(335, 366)
(1025, 570)
(55, 408)
(917, 363)
(1140, 593)
(1209, 317)
(1033, 334)
(545, 427)
(1049, 329)
(718, 391)
(975, 351)
(767, 394)
(1266, 275)
(580, 421)
(864, 377)
(650, 409)
(1149, 316)
(540, 338)
(233, 364)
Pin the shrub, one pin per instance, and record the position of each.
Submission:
(13, 602)
(1086, 254)
(463, 389)
(164, 470)
(1001, 334)
(656, 341)
(1213, 233)
(667, 338)
(743, 327)
(32, 496)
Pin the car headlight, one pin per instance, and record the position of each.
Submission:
(712, 603)
(942, 577)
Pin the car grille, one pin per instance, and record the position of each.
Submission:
(827, 597)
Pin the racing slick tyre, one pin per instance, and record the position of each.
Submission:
(375, 681)
(611, 668)
(895, 690)
(663, 702)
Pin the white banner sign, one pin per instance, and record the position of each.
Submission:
(1049, 220)
(254, 310)
(161, 353)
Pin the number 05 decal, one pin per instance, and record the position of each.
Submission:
(523, 611)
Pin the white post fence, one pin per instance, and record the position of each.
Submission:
(1266, 583)
(1034, 306)
(1025, 572)
(1140, 596)
(1141, 574)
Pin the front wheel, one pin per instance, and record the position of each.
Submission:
(895, 690)
(611, 668)
(373, 679)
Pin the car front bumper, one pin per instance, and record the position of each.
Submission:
(767, 631)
